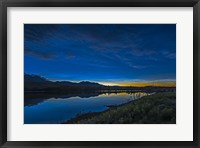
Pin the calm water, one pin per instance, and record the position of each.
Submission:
(40, 108)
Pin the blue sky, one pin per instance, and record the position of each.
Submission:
(107, 53)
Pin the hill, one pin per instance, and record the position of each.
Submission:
(38, 83)
(35, 83)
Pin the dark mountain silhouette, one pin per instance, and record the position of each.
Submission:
(38, 83)
(35, 83)
(87, 83)
(34, 78)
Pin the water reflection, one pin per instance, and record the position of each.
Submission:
(42, 108)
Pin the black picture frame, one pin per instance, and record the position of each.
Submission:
(4, 4)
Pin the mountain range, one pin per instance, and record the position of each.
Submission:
(36, 82)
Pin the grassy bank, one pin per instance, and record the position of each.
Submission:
(158, 108)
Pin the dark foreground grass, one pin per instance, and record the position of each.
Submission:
(158, 108)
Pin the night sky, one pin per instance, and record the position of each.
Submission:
(110, 54)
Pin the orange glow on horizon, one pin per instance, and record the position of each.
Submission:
(144, 84)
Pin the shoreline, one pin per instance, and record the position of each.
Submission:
(164, 102)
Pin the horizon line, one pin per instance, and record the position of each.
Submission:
(138, 83)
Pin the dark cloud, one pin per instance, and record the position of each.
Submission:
(136, 38)
(39, 54)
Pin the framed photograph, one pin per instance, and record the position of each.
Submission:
(100, 73)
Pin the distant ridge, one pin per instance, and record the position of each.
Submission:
(87, 83)
(34, 78)
(36, 82)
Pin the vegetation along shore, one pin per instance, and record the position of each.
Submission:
(159, 108)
